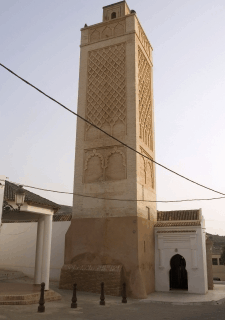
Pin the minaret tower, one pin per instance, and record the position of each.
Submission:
(112, 240)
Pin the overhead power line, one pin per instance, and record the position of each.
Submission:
(92, 124)
(113, 199)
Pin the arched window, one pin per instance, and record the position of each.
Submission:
(113, 15)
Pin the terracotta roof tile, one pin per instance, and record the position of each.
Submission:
(56, 218)
(9, 194)
(178, 215)
(65, 210)
(178, 224)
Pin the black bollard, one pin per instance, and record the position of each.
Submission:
(74, 298)
(102, 296)
(41, 307)
(124, 295)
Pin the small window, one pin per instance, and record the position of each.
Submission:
(214, 261)
(113, 15)
(220, 262)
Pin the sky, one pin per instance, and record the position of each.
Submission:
(40, 40)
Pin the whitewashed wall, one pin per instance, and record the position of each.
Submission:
(18, 245)
(189, 245)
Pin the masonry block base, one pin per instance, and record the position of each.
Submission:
(112, 250)
(89, 277)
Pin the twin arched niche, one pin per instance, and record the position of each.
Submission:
(105, 165)
(178, 273)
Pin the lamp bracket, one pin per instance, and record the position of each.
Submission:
(7, 207)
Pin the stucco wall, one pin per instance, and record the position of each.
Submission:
(166, 248)
(18, 246)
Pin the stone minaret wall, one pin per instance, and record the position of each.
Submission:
(115, 94)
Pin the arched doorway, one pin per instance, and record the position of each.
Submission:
(178, 273)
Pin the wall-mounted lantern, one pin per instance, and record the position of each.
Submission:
(19, 196)
(19, 200)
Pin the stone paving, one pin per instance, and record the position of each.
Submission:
(215, 296)
(8, 289)
(89, 308)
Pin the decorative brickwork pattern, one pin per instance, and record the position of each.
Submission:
(65, 217)
(113, 29)
(28, 298)
(144, 40)
(106, 90)
(104, 164)
(145, 100)
(89, 278)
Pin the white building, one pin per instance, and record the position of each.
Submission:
(33, 207)
(180, 251)
(180, 243)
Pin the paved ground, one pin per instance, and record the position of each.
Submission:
(216, 296)
(89, 309)
(7, 289)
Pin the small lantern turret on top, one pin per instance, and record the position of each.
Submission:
(115, 10)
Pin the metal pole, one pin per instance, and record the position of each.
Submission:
(74, 297)
(102, 296)
(124, 295)
(41, 307)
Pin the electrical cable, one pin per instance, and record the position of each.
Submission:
(124, 144)
(129, 200)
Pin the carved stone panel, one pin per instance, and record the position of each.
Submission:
(106, 91)
(94, 167)
(142, 171)
(95, 36)
(119, 29)
(104, 164)
(144, 40)
(113, 29)
(146, 170)
(145, 100)
(106, 33)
